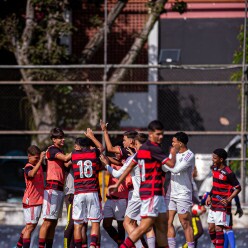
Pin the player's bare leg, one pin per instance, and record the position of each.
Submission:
(94, 235)
(186, 223)
(161, 230)
(145, 225)
(171, 232)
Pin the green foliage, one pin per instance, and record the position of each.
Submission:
(238, 54)
(95, 21)
(179, 6)
(237, 76)
(115, 114)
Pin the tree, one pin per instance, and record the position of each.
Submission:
(238, 54)
(33, 39)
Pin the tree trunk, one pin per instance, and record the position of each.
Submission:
(43, 113)
(138, 44)
(95, 94)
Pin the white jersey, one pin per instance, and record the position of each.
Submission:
(181, 176)
(69, 183)
(135, 175)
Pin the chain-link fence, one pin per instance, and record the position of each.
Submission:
(200, 100)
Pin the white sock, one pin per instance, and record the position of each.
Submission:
(138, 244)
(191, 244)
(151, 242)
(172, 242)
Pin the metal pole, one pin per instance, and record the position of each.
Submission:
(104, 112)
(243, 113)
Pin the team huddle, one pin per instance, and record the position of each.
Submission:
(147, 188)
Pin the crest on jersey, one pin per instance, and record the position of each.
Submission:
(221, 177)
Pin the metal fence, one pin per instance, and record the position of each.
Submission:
(198, 99)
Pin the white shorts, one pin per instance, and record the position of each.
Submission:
(133, 207)
(32, 214)
(86, 206)
(218, 218)
(182, 206)
(115, 209)
(52, 204)
(153, 206)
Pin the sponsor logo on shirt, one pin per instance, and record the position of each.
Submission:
(221, 177)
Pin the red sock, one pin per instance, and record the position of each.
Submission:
(219, 243)
(212, 237)
(128, 243)
(93, 240)
(78, 243)
(26, 243)
(20, 241)
(42, 243)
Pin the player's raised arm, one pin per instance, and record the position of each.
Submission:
(33, 172)
(170, 162)
(123, 176)
(89, 133)
(185, 164)
(109, 145)
(64, 157)
(111, 170)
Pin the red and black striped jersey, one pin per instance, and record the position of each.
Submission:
(86, 164)
(224, 182)
(150, 158)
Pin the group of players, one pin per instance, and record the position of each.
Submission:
(151, 189)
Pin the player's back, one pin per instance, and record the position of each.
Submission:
(85, 164)
(149, 157)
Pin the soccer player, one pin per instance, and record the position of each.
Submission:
(179, 193)
(86, 203)
(150, 158)
(118, 200)
(54, 190)
(225, 188)
(115, 206)
(114, 209)
(33, 195)
(132, 214)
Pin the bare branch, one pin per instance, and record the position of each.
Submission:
(138, 44)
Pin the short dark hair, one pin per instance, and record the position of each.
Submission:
(56, 133)
(83, 142)
(155, 125)
(130, 134)
(182, 137)
(220, 152)
(33, 150)
(141, 137)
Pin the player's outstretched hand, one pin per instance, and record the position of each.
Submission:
(239, 211)
(42, 155)
(130, 152)
(89, 133)
(112, 188)
(103, 125)
(104, 159)
(208, 200)
(173, 151)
